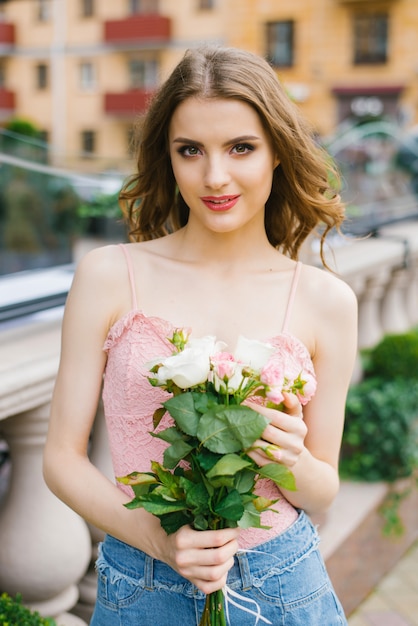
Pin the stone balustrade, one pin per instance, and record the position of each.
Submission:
(46, 550)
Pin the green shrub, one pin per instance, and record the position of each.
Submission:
(13, 613)
(22, 126)
(396, 356)
(380, 440)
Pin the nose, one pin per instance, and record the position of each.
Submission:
(216, 173)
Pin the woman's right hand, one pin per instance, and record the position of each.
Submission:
(204, 557)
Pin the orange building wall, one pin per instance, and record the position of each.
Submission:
(323, 51)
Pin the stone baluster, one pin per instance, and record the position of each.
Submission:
(45, 547)
(358, 285)
(395, 317)
(370, 324)
(412, 294)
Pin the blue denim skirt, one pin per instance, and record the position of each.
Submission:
(283, 581)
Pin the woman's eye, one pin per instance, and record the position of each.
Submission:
(189, 151)
(243, 148)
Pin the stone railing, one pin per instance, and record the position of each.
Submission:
(46, 550)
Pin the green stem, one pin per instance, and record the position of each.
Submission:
(214, 610)
(213, 620)
(205, 619)
(222, 618)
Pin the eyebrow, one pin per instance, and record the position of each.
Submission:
(241, 139)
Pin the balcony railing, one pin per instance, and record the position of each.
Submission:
(141, 29)
(38, 533)
(127, 103)
(7, 100)
(7, 34)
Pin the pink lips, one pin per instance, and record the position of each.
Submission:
(220, 203)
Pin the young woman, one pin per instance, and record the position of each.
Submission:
(229, 185)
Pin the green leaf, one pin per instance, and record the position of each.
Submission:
(279, 474)
(170, 435)
(158, 415)
(141, 482)
(176, 452)
(244, 481)
(141, 490)
(164, 475)
(197, 497)
(230, 429)
(203, 402)
(137, 478)
(222, 481)
(207, 459)
(200, 523)
(214, 433)
(171, 522)
(250, 518)
(167, 494)
(168, 479)
(183, 412)
(228, 465)
(135, 503)
(245, 424)
(157, 505)
(230, 507)
(263, 504)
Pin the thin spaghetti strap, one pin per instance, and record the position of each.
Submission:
(292, 294)
(131, 274)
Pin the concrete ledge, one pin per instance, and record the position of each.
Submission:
(354, 502)
(356, 551)
(28, 365)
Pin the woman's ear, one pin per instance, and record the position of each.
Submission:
(276, 162)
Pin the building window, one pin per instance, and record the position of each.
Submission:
(143, 6)
(280, 37)
(87, 8)
(143, 74)
(88, 142)
(206, 4)
(43, 136)
(41, 76)
(370, 38)
(44, 10)
(87, 76)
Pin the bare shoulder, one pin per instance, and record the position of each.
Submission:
(101, 263)
(327, 295)
(101, 282)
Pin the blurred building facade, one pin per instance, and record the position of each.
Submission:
(82, 70)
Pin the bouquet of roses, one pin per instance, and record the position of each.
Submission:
(207, 479)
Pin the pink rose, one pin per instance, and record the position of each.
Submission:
(227, 372)
(223, 364)
(275, 395)
(272, 373)
(308, 390)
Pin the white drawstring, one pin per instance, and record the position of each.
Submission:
(229, 594)
(228, 599)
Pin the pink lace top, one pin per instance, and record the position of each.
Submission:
(130, 400)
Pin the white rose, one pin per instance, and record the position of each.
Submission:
(189, 367)
(253, 353)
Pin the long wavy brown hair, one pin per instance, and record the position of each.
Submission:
(304, 194)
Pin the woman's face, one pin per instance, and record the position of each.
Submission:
(222, 161)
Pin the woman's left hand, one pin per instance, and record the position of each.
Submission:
(283, 439)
